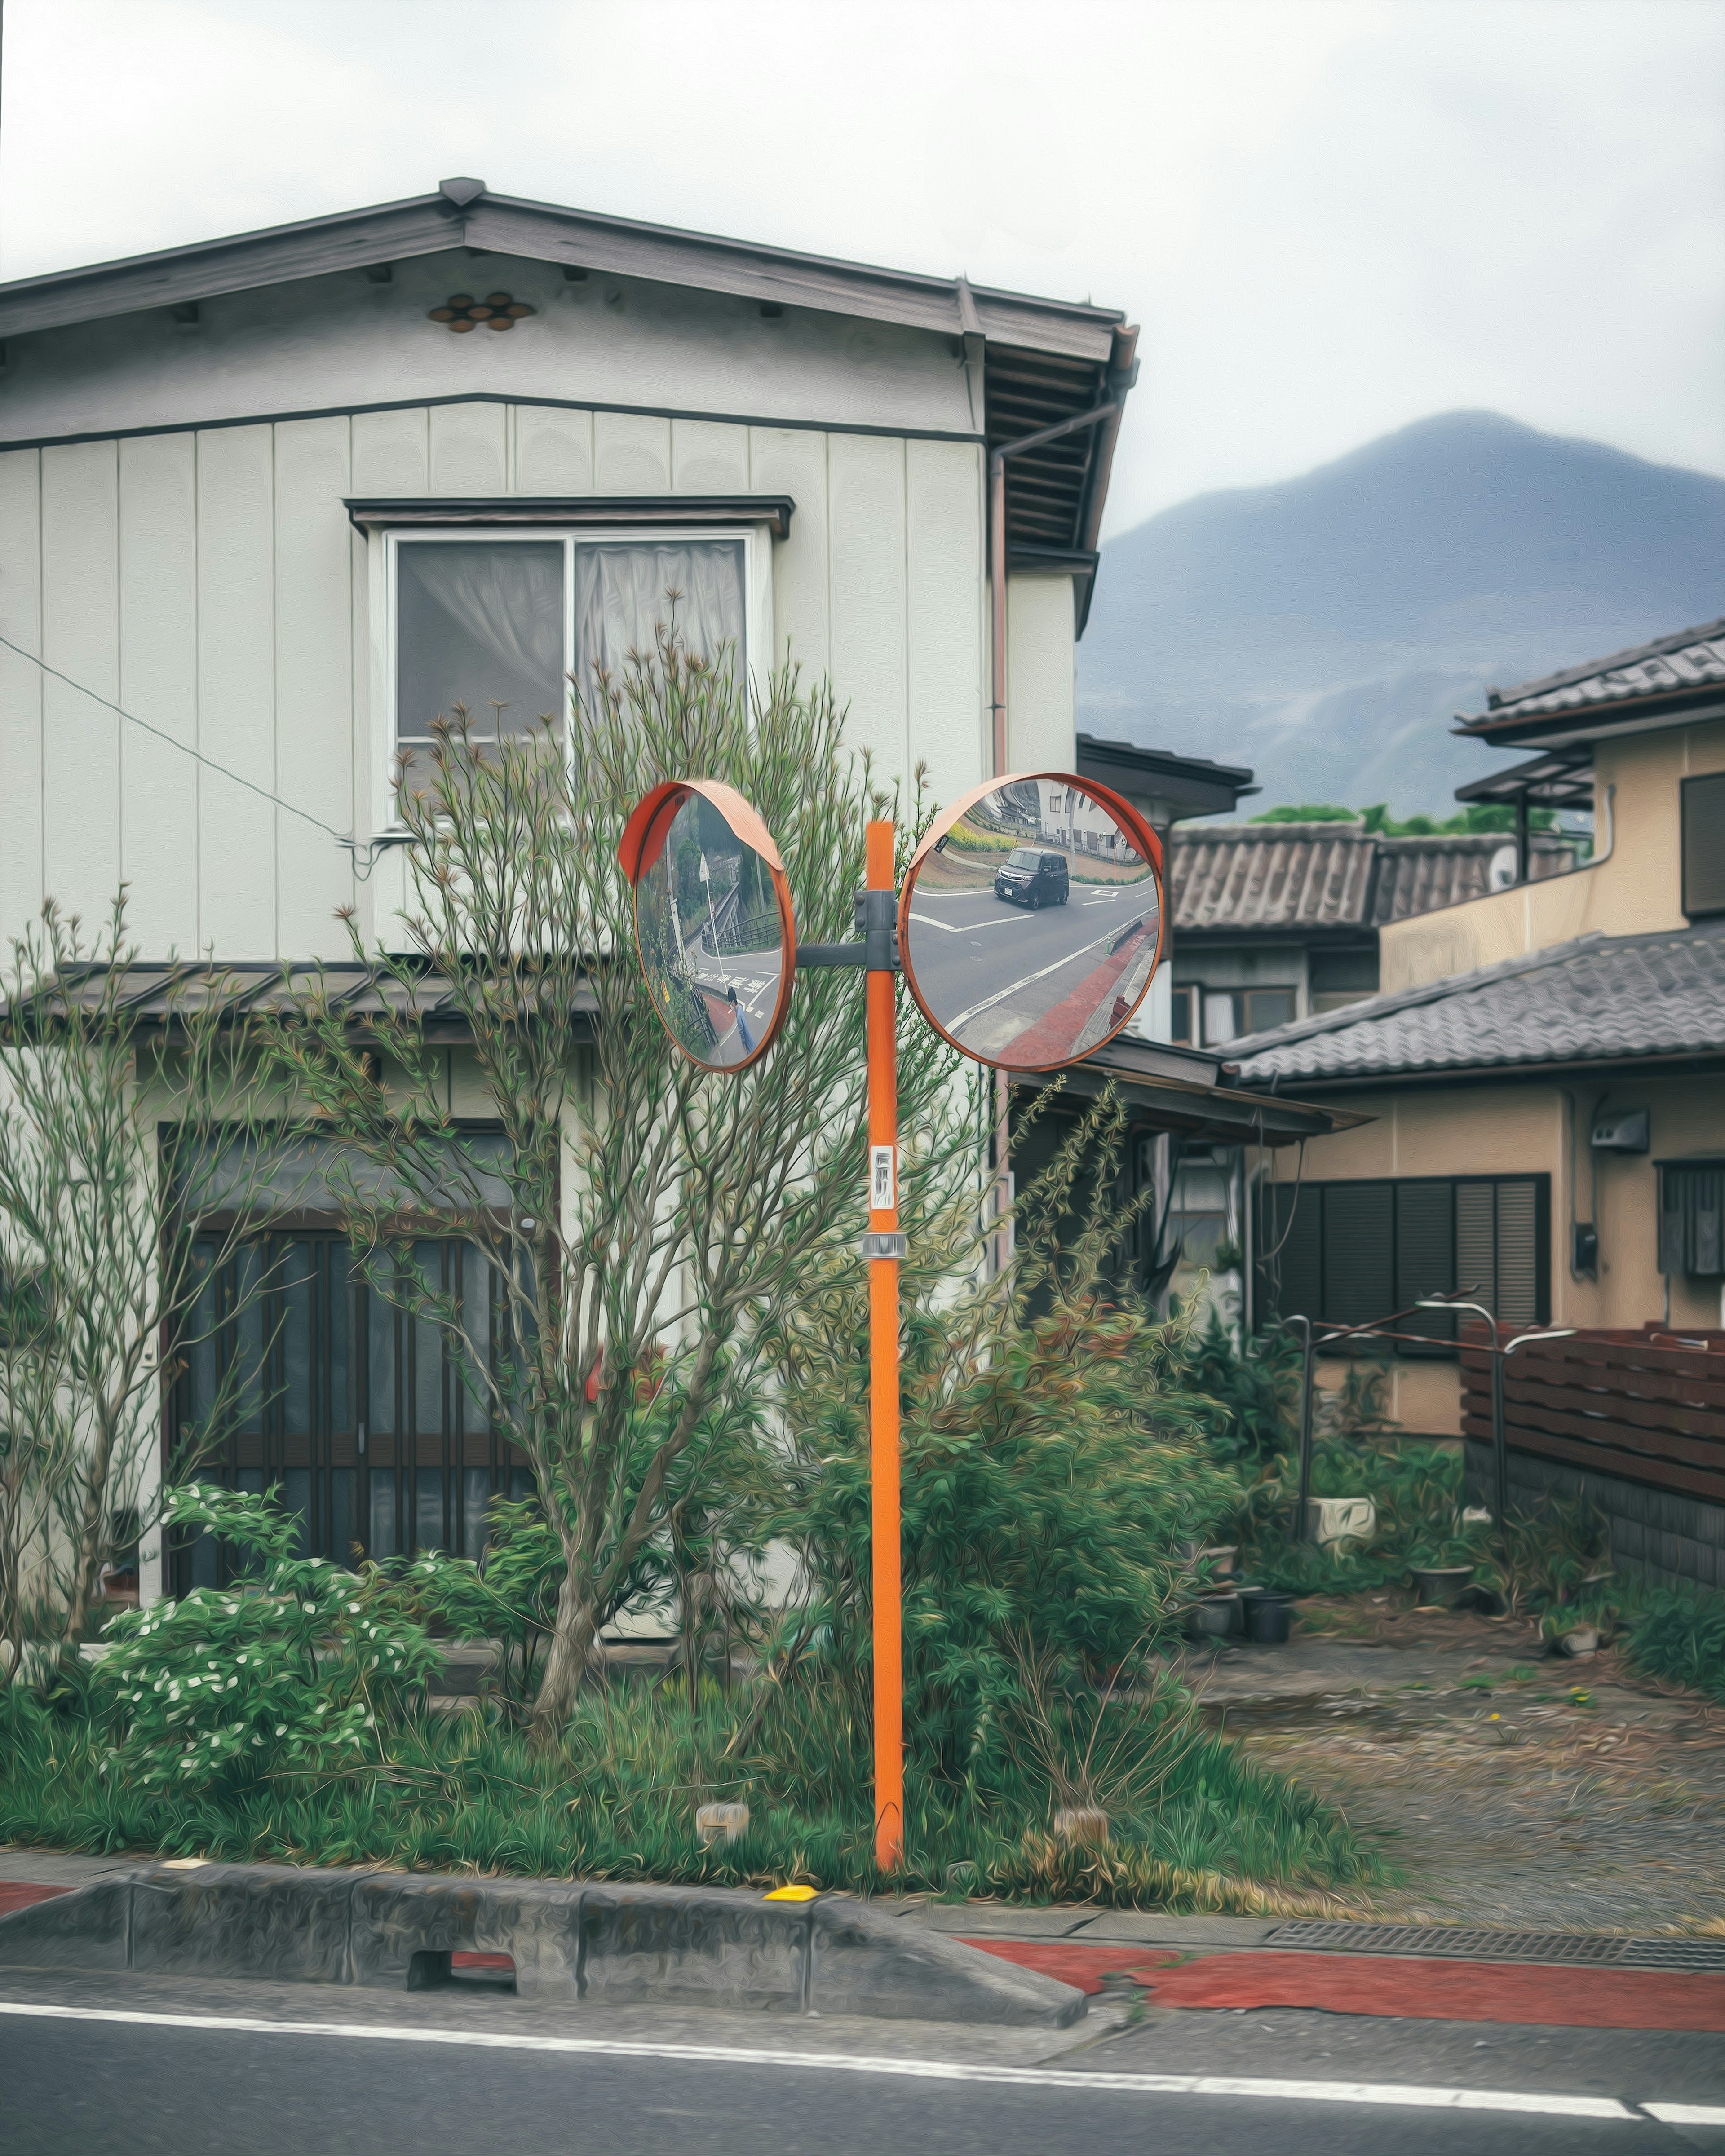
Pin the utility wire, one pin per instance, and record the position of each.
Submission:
(353, 845)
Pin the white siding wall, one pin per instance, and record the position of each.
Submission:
(1040, 725)
(210, 582)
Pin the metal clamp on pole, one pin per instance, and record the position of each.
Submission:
(832, 954)
(877, 1243)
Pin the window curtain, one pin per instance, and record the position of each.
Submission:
(623, 596)
(481, 623)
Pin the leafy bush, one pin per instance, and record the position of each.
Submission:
(1678, 1633)
(1052, 1467)
(1256, 1385)
(294, 1671)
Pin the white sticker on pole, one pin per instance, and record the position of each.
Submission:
(883, 1179)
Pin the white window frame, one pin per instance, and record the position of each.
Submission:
(756, 540)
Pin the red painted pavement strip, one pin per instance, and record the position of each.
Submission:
(1549, 1995)
(18, 1894)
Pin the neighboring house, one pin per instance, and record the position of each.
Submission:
(1545, 1067)
(1278, 921)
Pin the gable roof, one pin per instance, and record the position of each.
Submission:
(1675, 677)
(1601, 999)
(466, 213)
(1303, 878)
(1043, 362)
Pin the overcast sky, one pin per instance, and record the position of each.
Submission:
(1330, 216)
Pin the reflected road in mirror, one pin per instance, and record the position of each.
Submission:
(1033, 926)
(710, 935)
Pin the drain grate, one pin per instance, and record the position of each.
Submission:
(1456, 1942)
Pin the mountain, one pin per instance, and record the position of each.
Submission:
(1325, 630)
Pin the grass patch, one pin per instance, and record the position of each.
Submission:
(1196, 1824)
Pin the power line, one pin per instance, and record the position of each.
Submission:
(341, 837)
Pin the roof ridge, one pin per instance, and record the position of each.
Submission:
(1678, 640)
(1453, 985)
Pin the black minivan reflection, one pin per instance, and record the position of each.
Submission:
(1029, 877)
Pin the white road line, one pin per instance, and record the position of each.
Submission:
(1687, 2114)
(1000, 995)
(1405, 2096)
(964, 927)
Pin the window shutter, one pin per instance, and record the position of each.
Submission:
(1290, 1252)
(1692, 1221)
(1359, 1252)
(1476, 1243)
(1517, 1253)
(1704, 844)
(1424, 1256)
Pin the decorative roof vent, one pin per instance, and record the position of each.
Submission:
(460, 193)
(462, 312)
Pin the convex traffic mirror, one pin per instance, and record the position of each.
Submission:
(1031, 922)
(713, 920)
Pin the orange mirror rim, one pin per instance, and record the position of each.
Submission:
(643, 841)
(1129, 820)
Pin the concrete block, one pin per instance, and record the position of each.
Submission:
(263, 1920)
(693, 1947)
(869, 1965)
(406, 1926)
(87, 1928)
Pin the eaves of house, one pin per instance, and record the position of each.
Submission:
(1600, 1003)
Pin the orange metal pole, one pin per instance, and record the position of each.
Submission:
(883, 1389)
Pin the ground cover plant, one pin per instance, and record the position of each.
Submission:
(616, 1800)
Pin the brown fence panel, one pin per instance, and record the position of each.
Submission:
(1648, 1406)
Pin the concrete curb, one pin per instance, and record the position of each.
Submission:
(574, 1942)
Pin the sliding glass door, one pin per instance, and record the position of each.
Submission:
(300, 1376)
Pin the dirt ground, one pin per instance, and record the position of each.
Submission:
(1505, 1787)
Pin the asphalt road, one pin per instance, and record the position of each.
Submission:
(990, 969)
(104, 2085)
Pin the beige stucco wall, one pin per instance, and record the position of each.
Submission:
(1508, 1130)
(1634, 890)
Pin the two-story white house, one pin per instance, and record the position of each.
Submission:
(270, 503)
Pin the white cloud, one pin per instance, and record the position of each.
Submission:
(1331, 217)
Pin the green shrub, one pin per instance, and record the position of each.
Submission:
(302, 1668)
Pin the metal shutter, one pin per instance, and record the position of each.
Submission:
(1692, 1221)
(1291, 1251)
(1497, 1247)
(1517, 1253)
(1424, 1257)
(1359, 1252)
(1704, 844)
(1476, 1243)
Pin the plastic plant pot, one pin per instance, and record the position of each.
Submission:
(1268, 1618)
(1214, 1616)
(1435, 1582)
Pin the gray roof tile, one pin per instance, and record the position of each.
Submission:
(1599, 999)
(1690, 659)
(1295, 876)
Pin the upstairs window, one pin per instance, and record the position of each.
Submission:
(499, 624)
(1704, 845)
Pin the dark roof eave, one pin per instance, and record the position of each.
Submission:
(1579, 723)
(1680, 1063)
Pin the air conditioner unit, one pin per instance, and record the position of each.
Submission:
(1622, 1130)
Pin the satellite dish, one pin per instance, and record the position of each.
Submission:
(1502, 870)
